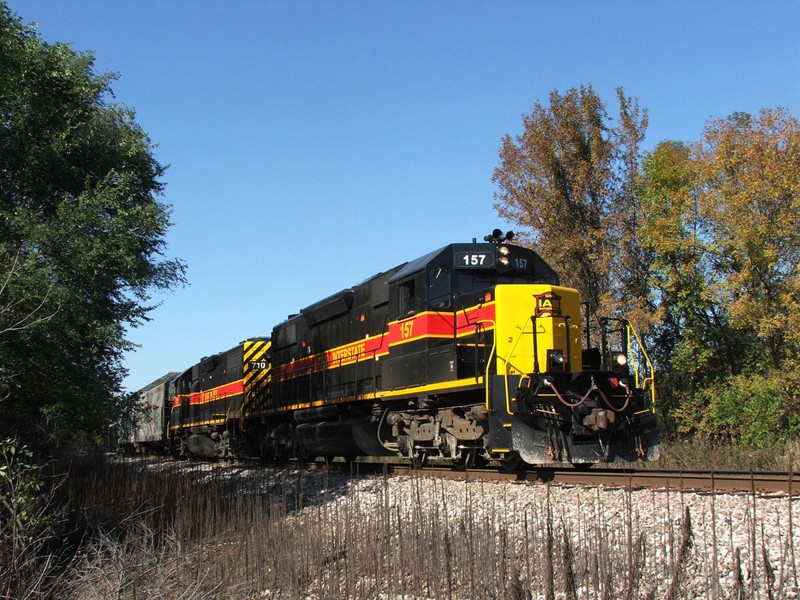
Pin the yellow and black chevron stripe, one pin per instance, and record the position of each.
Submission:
(257, 372)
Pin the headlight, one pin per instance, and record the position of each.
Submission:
(502, 255)
(555, 360)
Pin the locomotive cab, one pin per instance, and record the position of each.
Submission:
(441, 307)
(551, 401)
(495, 314)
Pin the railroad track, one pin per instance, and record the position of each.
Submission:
(707, 481)
(704, 481)
(760, 482)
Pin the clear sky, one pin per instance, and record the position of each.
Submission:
(314, 144)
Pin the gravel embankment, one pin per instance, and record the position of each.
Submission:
(740, 541)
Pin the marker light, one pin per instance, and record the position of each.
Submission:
(619, 361)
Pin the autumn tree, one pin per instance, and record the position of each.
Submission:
(749, 192)
(748, 170)
(82, 234)
(570, 181)
(721, 217)
(691, 342)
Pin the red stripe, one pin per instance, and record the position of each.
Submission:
(217, 393)
(429, 324)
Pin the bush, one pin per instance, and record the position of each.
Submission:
(754, 411)
(27, 517)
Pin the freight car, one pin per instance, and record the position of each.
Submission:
(471, 353)
(154, 404)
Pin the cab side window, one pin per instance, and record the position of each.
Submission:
(406, 299)
(439, 288)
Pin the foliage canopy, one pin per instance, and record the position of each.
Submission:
(82, 234)
(697, 243)
(569, 179)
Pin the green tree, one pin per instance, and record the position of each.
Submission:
(722, 219)
(692, 342)
(749, 192)
(570, 180)
(82, 234)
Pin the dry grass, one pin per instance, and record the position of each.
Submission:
(182, 530)
(703, 454)
(197, 532)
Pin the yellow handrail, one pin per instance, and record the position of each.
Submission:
(650, 381)
(487, 381)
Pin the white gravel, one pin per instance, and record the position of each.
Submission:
(620, 542)
(726, 529)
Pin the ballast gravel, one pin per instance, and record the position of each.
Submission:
(671, 543)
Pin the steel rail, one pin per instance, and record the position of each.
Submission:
(703, 481)
(760, 482)
(722, 482)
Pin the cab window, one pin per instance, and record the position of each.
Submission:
(406, 299)
(469, 282)
(439, 289)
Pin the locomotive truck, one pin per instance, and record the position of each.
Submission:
(473, 353)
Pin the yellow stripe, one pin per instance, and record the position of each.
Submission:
(196, 424)
(384, 395)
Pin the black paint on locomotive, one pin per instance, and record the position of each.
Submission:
(410, 362)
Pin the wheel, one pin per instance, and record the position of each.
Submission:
(511, 462)
(582, 466)
(468, 459)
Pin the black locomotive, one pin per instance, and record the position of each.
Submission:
(469, 354)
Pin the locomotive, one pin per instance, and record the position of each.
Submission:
(473, 353)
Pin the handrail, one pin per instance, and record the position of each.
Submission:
(486, 378)
(647, 380)
(535, 333)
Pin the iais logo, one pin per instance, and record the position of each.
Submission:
(548, 304)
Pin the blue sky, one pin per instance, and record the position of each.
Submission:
(314, 144)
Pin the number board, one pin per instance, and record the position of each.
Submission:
(474, 260)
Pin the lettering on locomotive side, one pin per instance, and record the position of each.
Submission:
(258, 365)
(347, 352)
